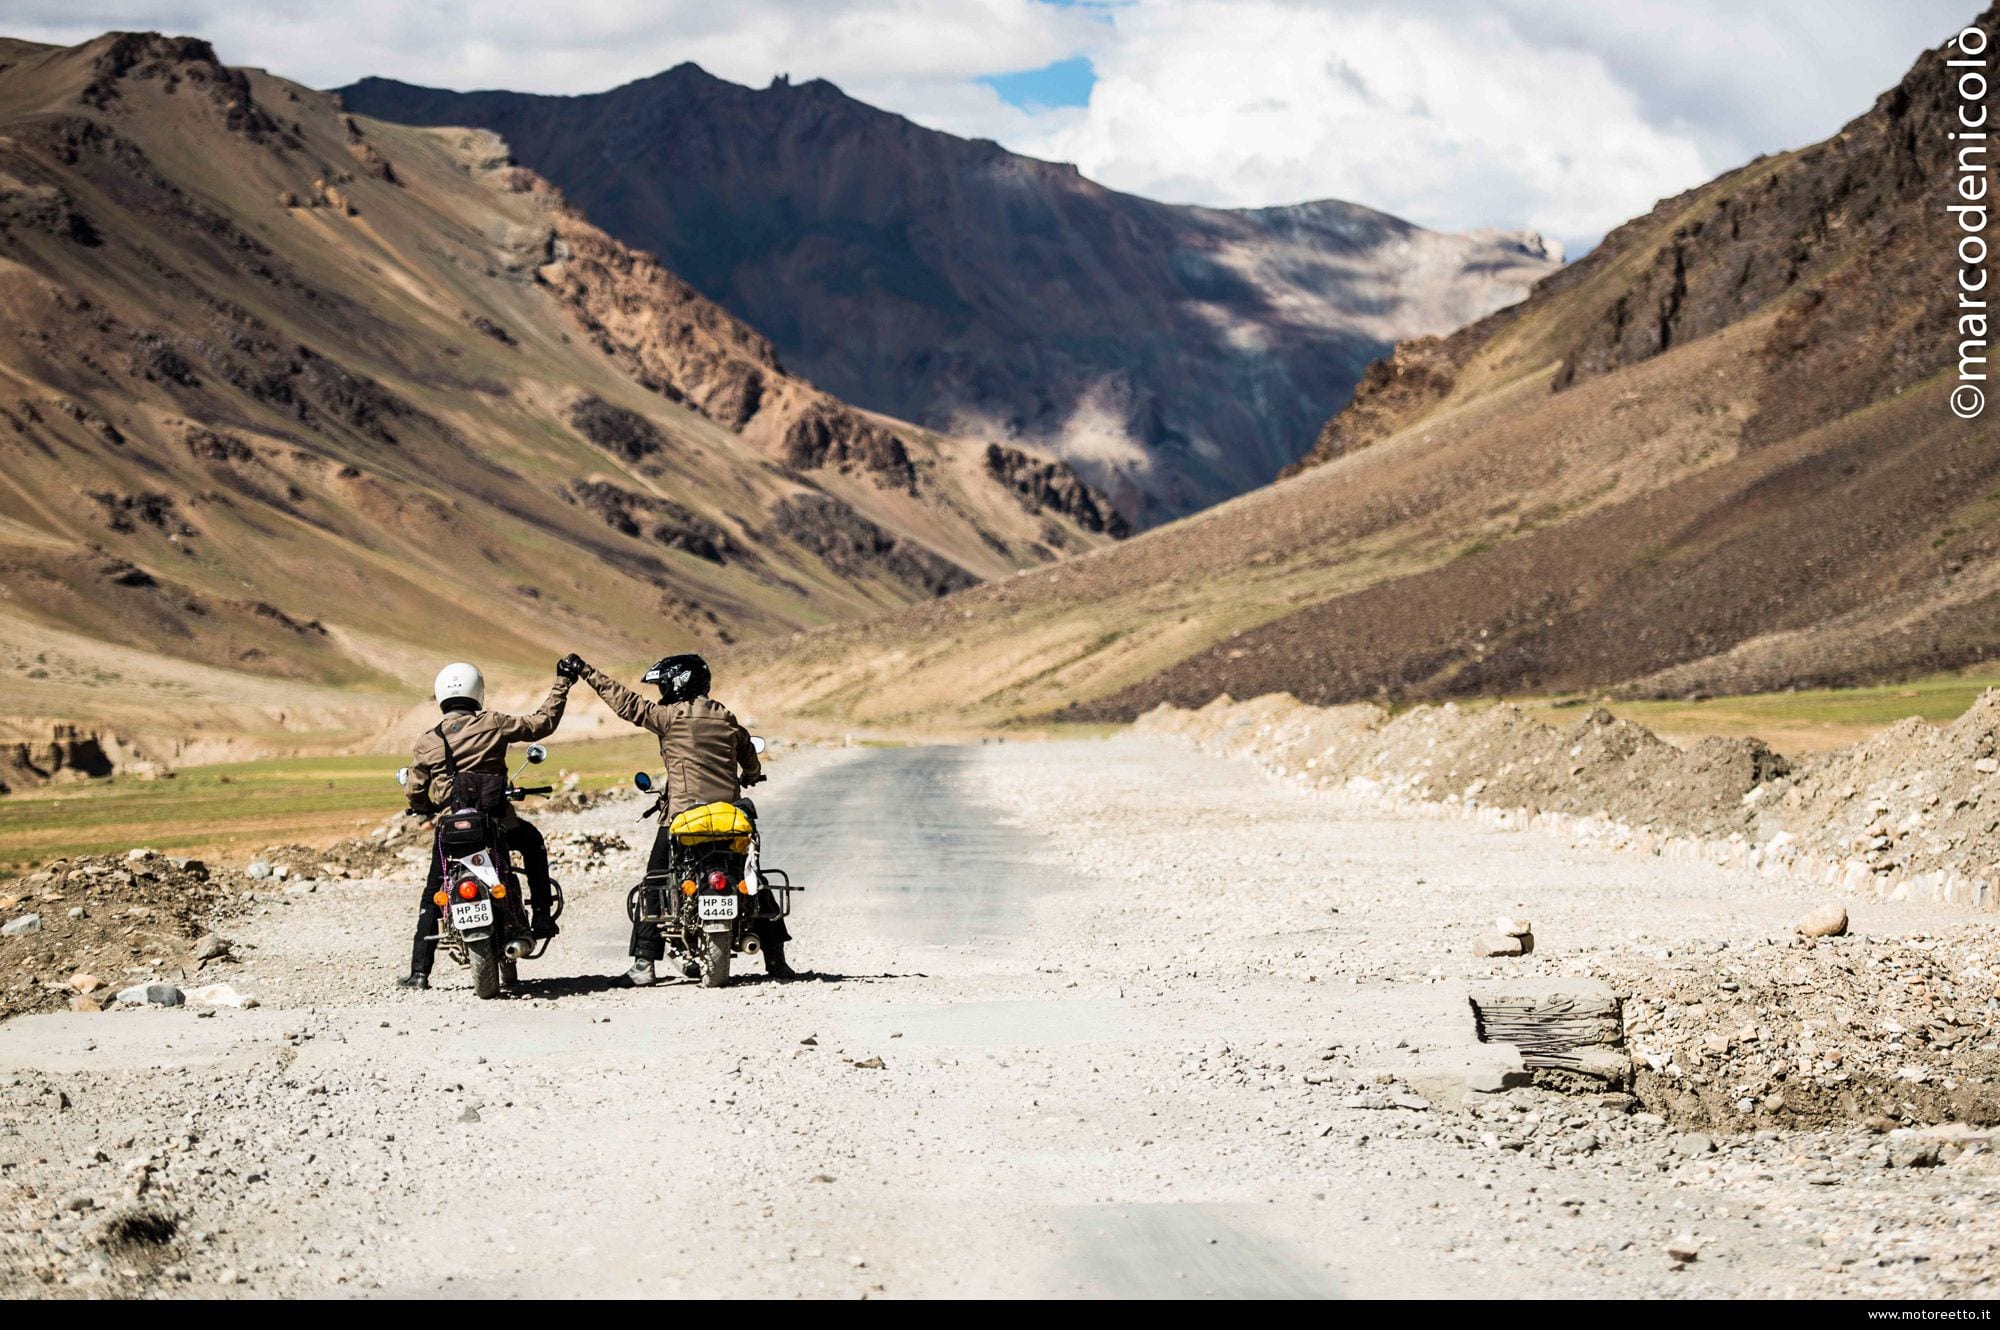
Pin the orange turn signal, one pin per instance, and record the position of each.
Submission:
(499, 890)
(439, 900)
(468, 890)
(687, 887)
(743, 887)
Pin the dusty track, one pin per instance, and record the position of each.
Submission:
(1136, 1008)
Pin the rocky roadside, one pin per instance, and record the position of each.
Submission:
(1795, 1082)
(1908, 814)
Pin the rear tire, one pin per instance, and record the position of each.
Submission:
(485, 959)
(715, 972)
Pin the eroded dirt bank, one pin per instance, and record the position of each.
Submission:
(1096, 1018)
(1911, 813)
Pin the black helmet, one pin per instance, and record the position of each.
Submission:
(679, 677)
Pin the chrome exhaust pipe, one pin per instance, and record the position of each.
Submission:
(518, 948)
(751, 946)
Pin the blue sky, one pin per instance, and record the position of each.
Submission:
(1061, 83)
(1562, 116)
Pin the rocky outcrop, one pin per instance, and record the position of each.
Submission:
(855, 547)
(67, 754)
(1044, 485)
(827, 434)
(650, 517)
(127, 513)
(679, 344)
(616, 429)
(172, 62)
(1401, 386)
(686, 349)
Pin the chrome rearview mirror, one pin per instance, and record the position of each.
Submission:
(403, 776)
(537, 753)
(757, 742)
(643, 781)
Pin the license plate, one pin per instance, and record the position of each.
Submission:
(717, 907)
(472, 914)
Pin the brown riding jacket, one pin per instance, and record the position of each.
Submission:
(702, 744)
(479, 742)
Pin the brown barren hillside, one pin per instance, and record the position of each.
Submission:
(1714, 455)
(293, 402)
(1176, 355)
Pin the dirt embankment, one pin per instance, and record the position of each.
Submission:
(1912, 813)
(1891, 1030)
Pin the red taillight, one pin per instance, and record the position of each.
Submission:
(468, 890)
(718, 881)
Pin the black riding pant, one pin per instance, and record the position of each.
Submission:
(649, 944)
(522, 839)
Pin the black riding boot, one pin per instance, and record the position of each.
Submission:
(422, 952)
(774, 959)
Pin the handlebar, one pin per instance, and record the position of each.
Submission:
(517, 793)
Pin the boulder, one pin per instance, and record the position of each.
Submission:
(152, 995)
(1827, 921)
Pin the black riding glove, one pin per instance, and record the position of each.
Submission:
(570, 667)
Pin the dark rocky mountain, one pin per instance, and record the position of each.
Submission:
(1716, 456)
(1176, 355)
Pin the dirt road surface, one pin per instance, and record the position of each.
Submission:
(1093, 1019)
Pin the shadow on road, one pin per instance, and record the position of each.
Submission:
(569, 985)
(582, 985)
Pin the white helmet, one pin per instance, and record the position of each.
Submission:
(460, 680)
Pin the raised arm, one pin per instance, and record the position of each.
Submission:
(542, 723)
(628, 705)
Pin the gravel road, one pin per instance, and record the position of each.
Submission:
(1086, 1019)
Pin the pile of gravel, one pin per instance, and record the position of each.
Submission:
(1805, 1032)
(108, 919)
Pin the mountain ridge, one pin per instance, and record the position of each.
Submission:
(286, 394)
(1175, 354)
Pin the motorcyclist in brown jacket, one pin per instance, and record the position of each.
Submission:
(709, 759)
(462, 763)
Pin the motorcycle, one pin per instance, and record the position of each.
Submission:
(482, 916)
(709, 901)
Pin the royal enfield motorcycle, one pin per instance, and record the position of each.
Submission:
(715, 891)
(482, 916)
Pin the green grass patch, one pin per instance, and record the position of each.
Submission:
(240, 806)
(1804, 721)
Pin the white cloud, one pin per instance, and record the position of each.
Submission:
(1563, 115)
